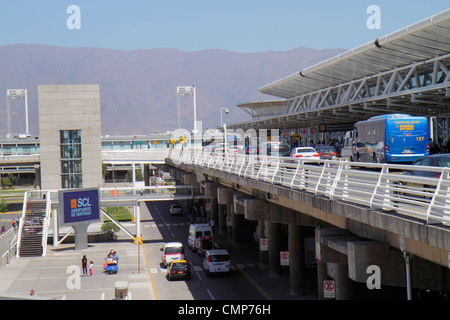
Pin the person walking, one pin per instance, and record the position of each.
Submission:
(84, 265)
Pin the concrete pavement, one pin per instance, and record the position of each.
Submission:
(56, 275)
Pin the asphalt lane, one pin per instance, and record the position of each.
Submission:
(234, 286)
(56, 275)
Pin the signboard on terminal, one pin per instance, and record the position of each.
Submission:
(79, 205)
(334, 127)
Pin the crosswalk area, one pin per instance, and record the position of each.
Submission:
(161, 225)
(196, 268)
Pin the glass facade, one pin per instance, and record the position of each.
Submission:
(71, 159)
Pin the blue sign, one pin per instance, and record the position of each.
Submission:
(81, 206)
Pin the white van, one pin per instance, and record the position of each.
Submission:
(196, 231)
(347, 148)
(217, 260)
(172, 251)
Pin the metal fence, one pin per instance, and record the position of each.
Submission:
(377, 186)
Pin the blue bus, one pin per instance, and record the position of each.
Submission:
(391, 138)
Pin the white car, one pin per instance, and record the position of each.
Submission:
(305, 152)
(217, 260)
(172, 251)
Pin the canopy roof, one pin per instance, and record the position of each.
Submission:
(420, 41)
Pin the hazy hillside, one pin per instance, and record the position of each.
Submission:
(138, 88)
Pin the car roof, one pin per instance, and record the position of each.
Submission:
(217, 251)
(179, 261)
(436, 155)
(173, 244)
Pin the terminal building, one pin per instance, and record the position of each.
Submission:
(406, 71)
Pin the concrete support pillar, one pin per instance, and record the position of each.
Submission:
(211, 205)
(37, 174)
(225, 197)
(221, 215)
(146, 175)
(229, 208)
(263, 254)
(213, 213)
(344, 285)
(238, 217)
(296, 259)
(321, 277)
(237, 230)
(274, 238)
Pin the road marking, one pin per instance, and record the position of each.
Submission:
(102, 296)
(210, 294)
(255, 284)
(151, 277)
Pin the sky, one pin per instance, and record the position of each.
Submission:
(243, 26)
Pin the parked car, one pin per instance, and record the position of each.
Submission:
(327, 152)
(304, 152)
(179, 269)
(176, 209)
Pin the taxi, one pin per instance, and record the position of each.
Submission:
(178, 270)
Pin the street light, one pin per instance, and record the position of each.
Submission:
(227, 111)
(186, 91)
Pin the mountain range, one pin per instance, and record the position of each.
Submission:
(138, 88)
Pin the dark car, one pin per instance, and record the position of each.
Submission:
(440, 160)
(419, 189)
(280, 149)
(206, 243)
(327, 152)
(178, 270)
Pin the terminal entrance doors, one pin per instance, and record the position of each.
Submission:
(441, 127)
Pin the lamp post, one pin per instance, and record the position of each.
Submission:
(227, 111)
(186, 91)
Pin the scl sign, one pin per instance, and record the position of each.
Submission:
(80, 206)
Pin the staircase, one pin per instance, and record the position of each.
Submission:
(32, 229)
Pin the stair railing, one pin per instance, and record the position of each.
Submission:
(21, 223)
(46, 222)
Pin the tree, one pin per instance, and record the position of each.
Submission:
(129, 175)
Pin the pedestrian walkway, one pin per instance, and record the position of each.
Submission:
(56, 275)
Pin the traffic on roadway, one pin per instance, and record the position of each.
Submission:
(227, 272)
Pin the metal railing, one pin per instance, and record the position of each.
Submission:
(8, 242)
(377, 186)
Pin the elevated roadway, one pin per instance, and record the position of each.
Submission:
(361, 215)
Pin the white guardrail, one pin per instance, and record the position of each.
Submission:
(377, 186)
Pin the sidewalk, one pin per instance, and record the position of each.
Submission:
(53, 276)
